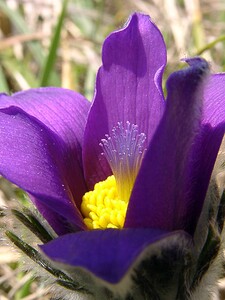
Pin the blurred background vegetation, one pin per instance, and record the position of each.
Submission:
(58, 43)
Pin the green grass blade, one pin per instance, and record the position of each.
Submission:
(25, 290)
(19, 73)
(211, 45)
(50, 60)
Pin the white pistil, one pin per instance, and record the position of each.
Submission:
(124, 150)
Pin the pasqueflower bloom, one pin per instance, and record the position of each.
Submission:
(126, 174)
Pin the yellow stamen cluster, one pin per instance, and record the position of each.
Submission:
(101, 207)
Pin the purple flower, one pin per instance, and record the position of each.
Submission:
(52, 141)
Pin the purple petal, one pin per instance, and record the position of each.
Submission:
(55, 219)
(158, 198)
(128, 88)
(207, 143)
(108, 254)
(32, 157)
(213, 110)
(204, 153)
(65, 113)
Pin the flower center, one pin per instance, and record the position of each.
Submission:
(106, 205)
(102, 208)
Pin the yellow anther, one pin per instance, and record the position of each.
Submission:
(89, 198)
(90, 207)
(110, 225)
(101, 207)
(93, 216)
(108, 202)
(96, 225)
(85, 209)
(103, 221)
(88, 222)
(120, 219)
(99, 210)
(100, 198)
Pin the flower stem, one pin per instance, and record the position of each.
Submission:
(211, 45)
